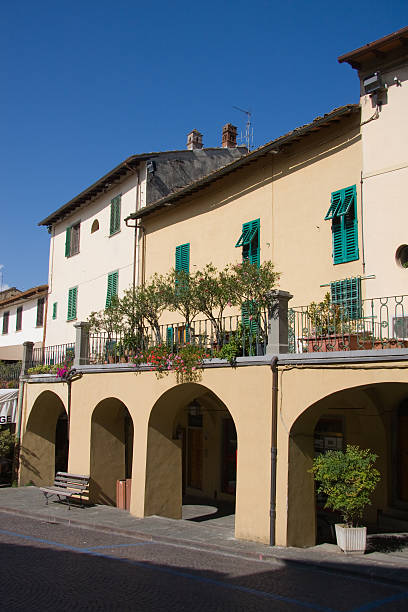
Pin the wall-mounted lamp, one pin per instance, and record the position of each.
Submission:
(194, 408)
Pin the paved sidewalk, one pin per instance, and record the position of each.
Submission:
(216, 535)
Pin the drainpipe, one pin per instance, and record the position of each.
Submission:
(362, 223)
(136, 249)
(274, 429)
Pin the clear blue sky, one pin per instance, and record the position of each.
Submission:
(86, 84)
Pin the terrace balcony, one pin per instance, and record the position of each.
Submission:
(374, 324)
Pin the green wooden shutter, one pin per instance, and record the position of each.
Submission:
(337, 240)
(112, 288)
(115, 215)
(251, 247)
(350, 236)
(68, 242)
(344, 226)
(72, 303)
(54, 310)
(183, 258)
(169, 336)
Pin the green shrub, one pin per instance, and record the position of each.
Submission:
(348, 479)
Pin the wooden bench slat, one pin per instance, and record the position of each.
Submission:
(68, 486)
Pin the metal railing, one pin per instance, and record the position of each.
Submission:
(53, 355)
(243, 337)
(10, 372)
(375, 323)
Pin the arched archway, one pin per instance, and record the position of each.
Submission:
(362, 416)
(44, 447)
(191, 451)
(111, 449)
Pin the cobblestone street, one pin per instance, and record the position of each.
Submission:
(48, 566)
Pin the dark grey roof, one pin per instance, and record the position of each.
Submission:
(272, 146)
(188, 165)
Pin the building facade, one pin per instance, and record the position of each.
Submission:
(22, 318)
(94, 254)
(326, 377)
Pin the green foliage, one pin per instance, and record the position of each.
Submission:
(45, 369)
(108, 320)
(183, 294)
(326, 317)
(242, 342)
(187, 362)
(348, 479)
(7, 440)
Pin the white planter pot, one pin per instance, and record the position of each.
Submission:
(351, 539)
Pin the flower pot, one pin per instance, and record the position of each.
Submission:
(351, 539)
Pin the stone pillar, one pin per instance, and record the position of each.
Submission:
(27, 360)
(278, 324)
(81, 344)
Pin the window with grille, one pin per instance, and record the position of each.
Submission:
(19, 318)
(72, 240)
(347, 294)
(115, 215)
(54, 310)
(343, 215)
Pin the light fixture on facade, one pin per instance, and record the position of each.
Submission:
(194, 408)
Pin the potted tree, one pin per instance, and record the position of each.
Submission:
(347, 478)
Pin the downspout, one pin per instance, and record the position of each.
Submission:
(16, 459)
(362, 223)
(135, 280)
(274, 436)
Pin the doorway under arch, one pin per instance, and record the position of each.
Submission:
(362, 416)
(111, 450)
(45, 443)
(191, 465)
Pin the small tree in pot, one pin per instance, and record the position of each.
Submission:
(348, 479)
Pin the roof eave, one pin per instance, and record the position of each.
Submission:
(271, 147)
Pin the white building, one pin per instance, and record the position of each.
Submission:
(22, 318)
(93, 253)
(383, 70)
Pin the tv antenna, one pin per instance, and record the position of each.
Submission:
(248, 139)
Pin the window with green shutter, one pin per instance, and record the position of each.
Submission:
(112, 288)
(115, 215)
(72, 239)
(72, 303)
(183, 258)
(250, 241)
(347, 294)
(170, 336)
(54, 310)
(343, 215)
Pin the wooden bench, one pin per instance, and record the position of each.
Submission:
(68, 487)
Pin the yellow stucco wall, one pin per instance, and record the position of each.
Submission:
(245, 392)
(364, 395)
(289, 193)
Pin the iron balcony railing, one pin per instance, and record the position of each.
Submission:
(245, 337)
(10, 372)
(53, 355)
(375, 323)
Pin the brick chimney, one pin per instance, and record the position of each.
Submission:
(229, 136)
(194, 140)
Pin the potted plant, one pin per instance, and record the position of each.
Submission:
(347, 478)
(331, 328)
